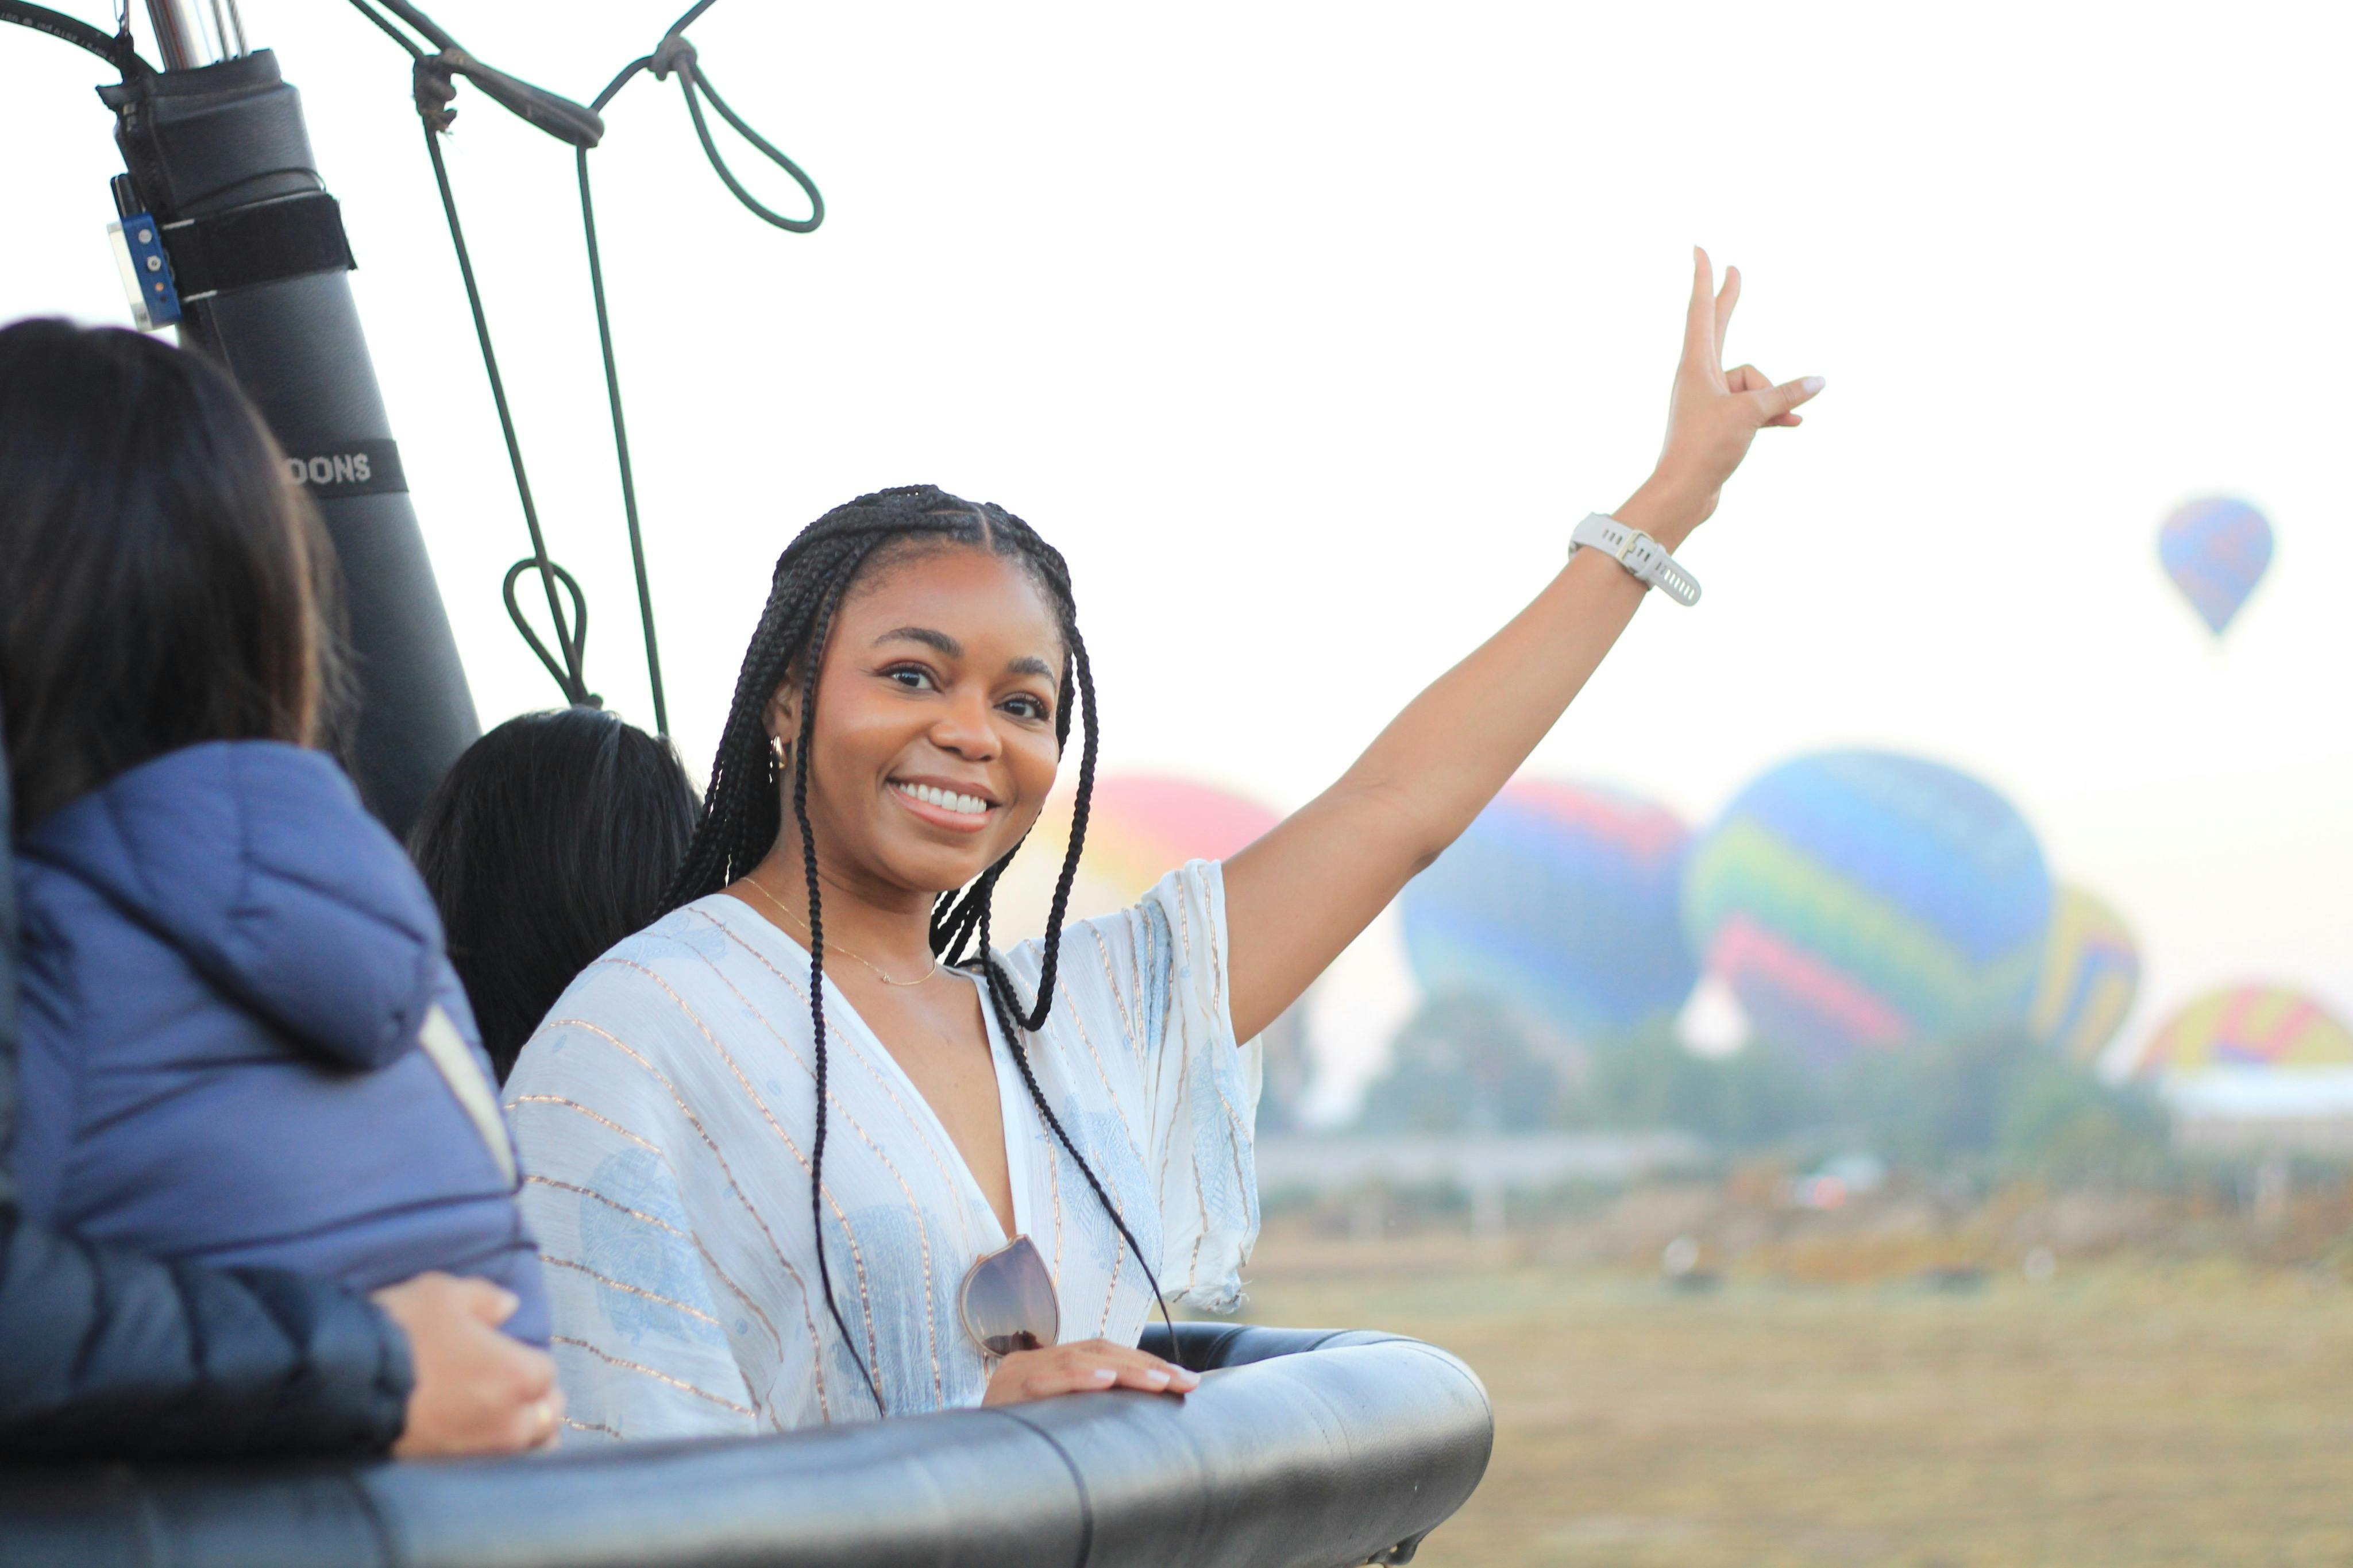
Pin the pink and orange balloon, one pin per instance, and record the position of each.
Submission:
(1140, 828)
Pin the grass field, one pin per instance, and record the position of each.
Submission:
(2124, 1413)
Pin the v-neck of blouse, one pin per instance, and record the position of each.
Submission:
(1012, 1096)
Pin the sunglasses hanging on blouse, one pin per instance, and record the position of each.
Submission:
(1008, 1303)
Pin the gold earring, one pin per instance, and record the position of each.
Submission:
(776, 746)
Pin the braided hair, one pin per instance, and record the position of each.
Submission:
(743, 816)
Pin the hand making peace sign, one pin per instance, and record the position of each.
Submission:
(1305, 890)
(1715, 413)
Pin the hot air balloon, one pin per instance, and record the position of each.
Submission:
(1140, 828)
(1862, 900)
(2091, 969)
(2216, 551)
(2248, 1027)
(1560, 900)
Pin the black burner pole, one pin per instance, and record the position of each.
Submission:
(220, 160)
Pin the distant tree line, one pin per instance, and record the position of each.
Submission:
(2000, 1103)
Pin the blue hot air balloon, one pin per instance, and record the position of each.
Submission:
(2216, 551)
(1561, 901)
(1863, 899)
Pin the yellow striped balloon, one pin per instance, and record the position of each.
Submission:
(2091, 972)
(2248, 1027)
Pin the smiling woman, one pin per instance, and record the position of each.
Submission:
(1005, 1159)
(897, 727)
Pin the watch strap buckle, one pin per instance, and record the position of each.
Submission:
(1642, 557)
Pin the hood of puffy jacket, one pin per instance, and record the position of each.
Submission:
(259, 863)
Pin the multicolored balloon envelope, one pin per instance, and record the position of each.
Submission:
(1858, 900)
(2216, 551)
(2248, 1027)
(2091, 971)
(1140, 828)
(1560, 900)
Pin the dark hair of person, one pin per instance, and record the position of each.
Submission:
(742, 816)
(550, 839)
(162, 582)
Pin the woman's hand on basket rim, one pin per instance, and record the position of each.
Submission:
(1088, 1366)
(1713, 415)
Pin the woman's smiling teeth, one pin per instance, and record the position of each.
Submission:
(945, 799)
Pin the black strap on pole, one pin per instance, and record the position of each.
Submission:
(244, 246)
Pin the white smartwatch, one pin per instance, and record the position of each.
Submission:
(1637, 553)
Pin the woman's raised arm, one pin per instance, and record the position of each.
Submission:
(1303, 892)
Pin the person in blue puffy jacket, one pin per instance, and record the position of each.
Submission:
(109, 1353)
(241, 1044)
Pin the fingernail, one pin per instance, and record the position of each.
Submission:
(1188, 1380)
(1812, 384)
(1103, 1374)
(1156, 1378)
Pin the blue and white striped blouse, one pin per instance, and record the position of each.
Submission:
(664, 1112)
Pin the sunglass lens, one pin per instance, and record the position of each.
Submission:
(1008, 1301)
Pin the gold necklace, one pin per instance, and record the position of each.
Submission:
(918, 980)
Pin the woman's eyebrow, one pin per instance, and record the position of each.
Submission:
(1031, 665)
(939, 642)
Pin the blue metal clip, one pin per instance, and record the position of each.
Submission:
(138, 242)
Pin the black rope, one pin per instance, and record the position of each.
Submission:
(116, 50)
(436, 92)
(573, 645)
(394, 33)
(677, 54)
(621, 448)
(643, 62)
(430, 102)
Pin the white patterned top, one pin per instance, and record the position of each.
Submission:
(664, 1114)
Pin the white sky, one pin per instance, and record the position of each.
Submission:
(1308, 330)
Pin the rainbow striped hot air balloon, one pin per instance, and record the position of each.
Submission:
(2248, 1027)
(1140, 828)
(1561, 899)
(1861, 899)
(2091, 971)
(2216, 551)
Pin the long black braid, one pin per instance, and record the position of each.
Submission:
(743, 816)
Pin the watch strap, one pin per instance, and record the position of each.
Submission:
(1645, 557)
